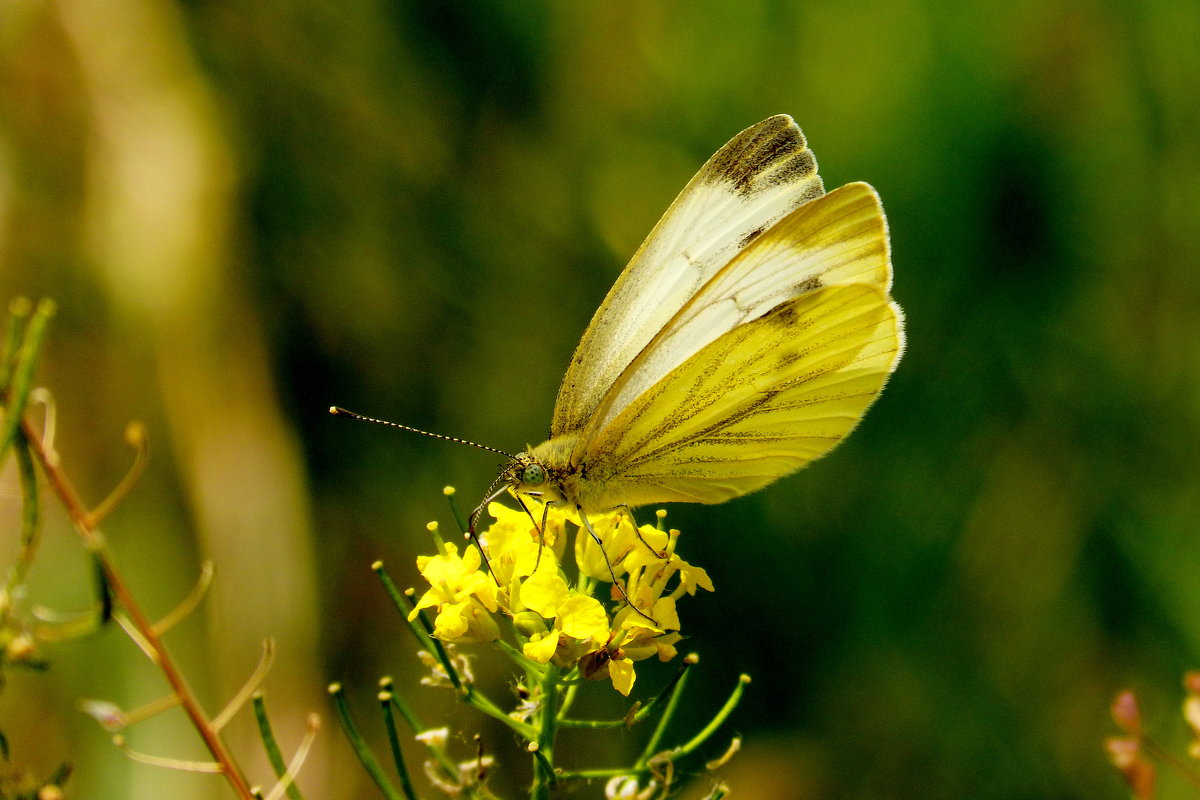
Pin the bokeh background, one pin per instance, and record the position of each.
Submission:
(248, 211)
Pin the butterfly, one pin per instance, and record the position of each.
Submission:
(746, 338)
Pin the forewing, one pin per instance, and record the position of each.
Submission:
(839, 238)
(756, 179)
(761, 401)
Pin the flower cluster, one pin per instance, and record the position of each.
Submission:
(612, 604)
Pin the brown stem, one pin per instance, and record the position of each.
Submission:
(124, 597)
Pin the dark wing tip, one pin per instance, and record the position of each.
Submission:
(765, 155)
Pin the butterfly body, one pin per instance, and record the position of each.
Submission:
(746, 338)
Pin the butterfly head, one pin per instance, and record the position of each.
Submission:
(543, 472)
(526, 474)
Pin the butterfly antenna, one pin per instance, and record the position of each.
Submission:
(493, 492)
(498, 487)
(471, 534)
(337, 411)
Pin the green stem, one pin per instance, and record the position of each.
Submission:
(532, 668)
(419, 625)
(410, 716)
(711, 728)
(402, 604)
(365, 756)
(271, 745)
(629, 720)
(483, 703)
(389, 721)
(567, 701)
(600, 773)
(593, 724)
(22, 374)
(418, 727)
(676, 692)
(543, 763)
(30, 513)
(18, 312)
(459, 519)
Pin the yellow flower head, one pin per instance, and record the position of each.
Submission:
(462, 594)
(555, 620)
(577, 619)
(514, 546)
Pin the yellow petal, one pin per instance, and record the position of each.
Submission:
(621, 672)
(481, 626)
(616, 532)
(544, 592)
(541, 648)
(432, 597)
(691, 578)
(450, 623)
(582, 617)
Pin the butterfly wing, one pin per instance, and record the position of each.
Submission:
(756, 179)
(838, 238)
(760, 401)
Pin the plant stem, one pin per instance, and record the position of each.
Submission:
(365, 756)
(543, 762)
(389, 721)
(94, 542)
(676, 692)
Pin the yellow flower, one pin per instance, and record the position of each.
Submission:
(515, 548)
(545, 590)
(644, 640)
(649, 573)
(464, 622)
(556, 621)
(617, 533)
(579, 620)
(462, 594)
(651, 567)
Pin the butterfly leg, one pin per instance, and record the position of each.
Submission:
(474, 537)
(541, 529)
(587, 524)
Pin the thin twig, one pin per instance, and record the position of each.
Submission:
(94, 542)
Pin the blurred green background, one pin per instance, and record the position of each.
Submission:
(248, 211)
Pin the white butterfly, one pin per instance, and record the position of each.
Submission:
(747, 337)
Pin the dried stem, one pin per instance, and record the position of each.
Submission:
(94, 542)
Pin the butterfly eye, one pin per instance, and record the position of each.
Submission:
(534, 475)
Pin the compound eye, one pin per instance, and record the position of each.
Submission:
(534, 475)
